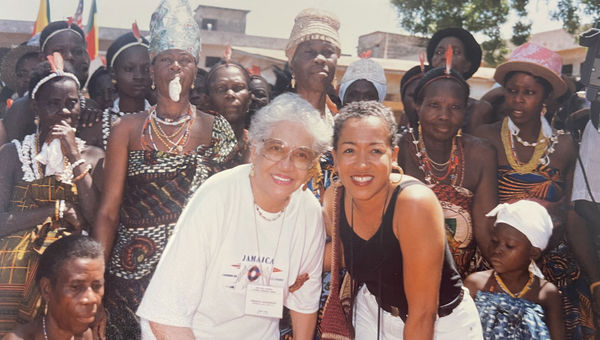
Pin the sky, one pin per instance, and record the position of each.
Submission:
(272, 18)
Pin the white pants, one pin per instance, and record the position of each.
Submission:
(462, 323)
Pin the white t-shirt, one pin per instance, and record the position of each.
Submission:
(591, 162)
(201, 279)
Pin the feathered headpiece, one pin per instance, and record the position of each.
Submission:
(57, 66)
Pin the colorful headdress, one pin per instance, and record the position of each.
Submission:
(366, 69)
(133, 38)
(313, 24)
(173, 26)
(57, 66)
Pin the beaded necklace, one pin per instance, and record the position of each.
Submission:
(109, 116)
(453, 167)
(153, 122)
(520, 294)
(32, 169)
(541, 154)
(27, 151)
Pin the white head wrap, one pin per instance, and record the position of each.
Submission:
(531, 219)
(364, 69)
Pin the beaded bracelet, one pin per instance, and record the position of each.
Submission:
(77, 163)
(81, 175)
(57, 210)
(594, 285)
(61, 209)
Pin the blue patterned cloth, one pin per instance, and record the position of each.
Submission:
(504, 317)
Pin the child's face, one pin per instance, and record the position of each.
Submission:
(510, 249)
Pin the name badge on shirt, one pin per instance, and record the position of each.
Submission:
(265, 301)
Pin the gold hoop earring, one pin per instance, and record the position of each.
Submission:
(398, 169)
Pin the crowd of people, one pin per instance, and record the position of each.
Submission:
(170, 202)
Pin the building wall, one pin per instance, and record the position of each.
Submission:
(227, 19)
(391, 45)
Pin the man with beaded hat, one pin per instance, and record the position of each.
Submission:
(175, 148)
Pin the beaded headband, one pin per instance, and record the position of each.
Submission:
(57, 32)
(56, 66)
(136, 33)
(416, 76)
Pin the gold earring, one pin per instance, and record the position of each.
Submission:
(293, 81)
(544, 110)
(192, 87)
(113, 81)
(459, 133)
(153, 87)
(399, 171)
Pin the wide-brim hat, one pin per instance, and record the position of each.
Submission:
(538, 61)
(472, 48)
(8, 71)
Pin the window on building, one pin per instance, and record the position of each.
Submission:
(210, 61)
(209, 24)
(567, 69)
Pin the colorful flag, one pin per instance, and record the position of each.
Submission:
(77, 17)
(43, 17)
(91, 32)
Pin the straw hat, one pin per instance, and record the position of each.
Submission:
(313, 24)
(8, 68)
(538, 61)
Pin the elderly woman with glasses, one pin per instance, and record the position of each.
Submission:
(228, 275)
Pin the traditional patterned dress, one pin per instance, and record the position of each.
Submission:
(20, 252)
(457, 204)
(558, 263)
(157, 187)
(504, 317)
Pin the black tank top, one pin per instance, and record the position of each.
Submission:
(377, 262)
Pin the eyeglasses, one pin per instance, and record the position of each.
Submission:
(277, 150)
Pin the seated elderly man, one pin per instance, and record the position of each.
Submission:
(70, 277)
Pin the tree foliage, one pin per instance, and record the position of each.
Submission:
(486, 17)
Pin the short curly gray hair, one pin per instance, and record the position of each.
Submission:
(290, 107)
